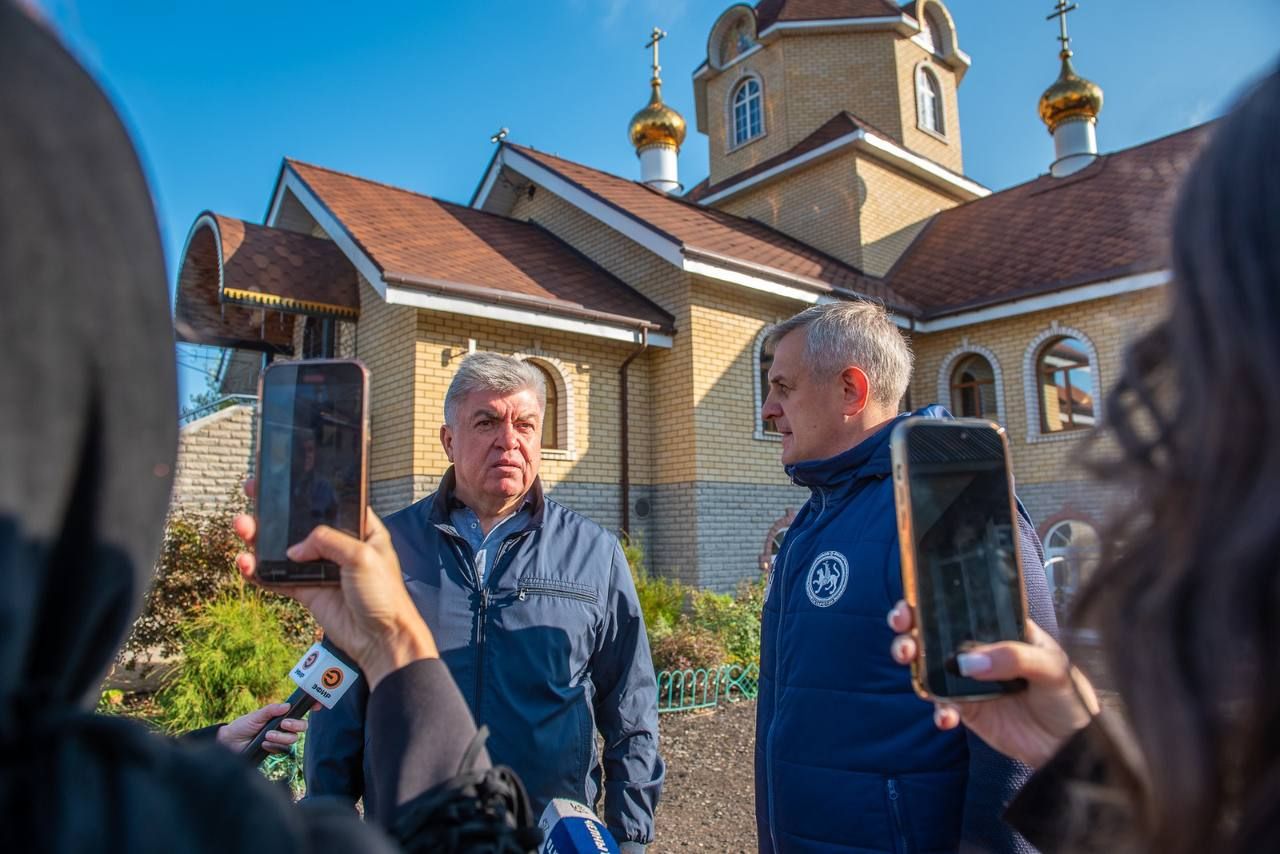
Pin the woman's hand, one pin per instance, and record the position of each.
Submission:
(1029, 725)
(236, 735)
(370, 615)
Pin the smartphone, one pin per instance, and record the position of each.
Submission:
(957, 528)
(312, 457)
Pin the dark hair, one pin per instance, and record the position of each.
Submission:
(1188, 600)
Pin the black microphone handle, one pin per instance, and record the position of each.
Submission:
(300, 702)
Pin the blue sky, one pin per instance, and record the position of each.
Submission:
(216, 94)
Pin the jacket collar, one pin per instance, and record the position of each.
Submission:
(868, 458)
(444, 498)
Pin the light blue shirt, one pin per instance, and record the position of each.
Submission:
(467, 523)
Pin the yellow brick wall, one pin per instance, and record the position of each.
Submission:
(726, 321)
(661, 407)
(908, 56)
(385, 343)
(896, 208)
(1111, 324)
(830, 72)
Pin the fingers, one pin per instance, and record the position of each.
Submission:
(1013, 660)
(325, 543)
(903, 649)
(946, 716)
(901, 618)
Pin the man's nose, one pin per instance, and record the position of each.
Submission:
(771, 410)
(508, 437)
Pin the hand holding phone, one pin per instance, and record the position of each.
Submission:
(961, 567)
(312, 457)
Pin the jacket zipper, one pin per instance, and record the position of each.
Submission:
(899, 827)
(481, 616)
(551, 591)
(777, 681)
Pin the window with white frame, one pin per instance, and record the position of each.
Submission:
(764, 361)
(1064, 381)
(973, 388)
(748, 111)
(1072, 551)
(929, 101)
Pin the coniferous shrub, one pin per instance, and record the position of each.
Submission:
(688, 647)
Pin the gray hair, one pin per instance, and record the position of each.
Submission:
(492, 372)
(859, 333)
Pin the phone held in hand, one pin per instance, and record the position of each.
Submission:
(313, 451)
(961, 567)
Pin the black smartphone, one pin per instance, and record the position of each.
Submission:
(957, 528)
(313, 421)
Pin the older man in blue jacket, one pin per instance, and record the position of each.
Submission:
(847, 757)
(533, 609)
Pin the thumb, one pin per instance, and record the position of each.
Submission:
(1013, 660)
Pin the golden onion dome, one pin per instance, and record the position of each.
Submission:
(1070, 96)
(656, 123)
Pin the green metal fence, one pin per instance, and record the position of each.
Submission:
(706, 688)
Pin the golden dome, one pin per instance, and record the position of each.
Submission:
(656, 123)
(1070, 96)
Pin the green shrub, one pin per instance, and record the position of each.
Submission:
(236, 658)
(197, 566)
(288, 767)
(688, 647)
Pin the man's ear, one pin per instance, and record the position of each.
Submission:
(446, 439)
(856, 391)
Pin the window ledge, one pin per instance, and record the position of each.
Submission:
(744, 144)
(768, 437)
(1060, 436)
(941, 137)
(558, 454)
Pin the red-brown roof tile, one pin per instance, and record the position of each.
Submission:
(1107, 220)
(769, 12)
(715, 232)
(420, 240)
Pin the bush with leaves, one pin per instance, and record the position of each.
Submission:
(236, 658)
(197, 566)
(688, 647)
(662, 601)
(735, 620)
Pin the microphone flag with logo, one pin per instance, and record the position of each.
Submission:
(323, 675)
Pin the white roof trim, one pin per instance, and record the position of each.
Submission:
(1071, 296)
(437, 302)
(337, 232)
(841, 23)
(706, 264)
(872, 144)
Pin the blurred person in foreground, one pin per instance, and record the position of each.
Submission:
(1188, 599)
(88, 436)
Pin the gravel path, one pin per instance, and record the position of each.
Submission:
(708, 802)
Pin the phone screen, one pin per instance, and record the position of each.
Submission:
(968, 584)
(311, 462)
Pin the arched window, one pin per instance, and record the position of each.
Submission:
(1072, 550)
(551, 435)
(929, 101)
(764, 363)
(736, 41)
(748, 116)
(973, 388)
(1064, 380)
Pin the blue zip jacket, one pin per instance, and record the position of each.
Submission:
(847, 756)
(548, 649)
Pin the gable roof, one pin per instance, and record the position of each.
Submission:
(420, 242)
(770, 12)
(844, 128)
(713, 234)
(1050, 234)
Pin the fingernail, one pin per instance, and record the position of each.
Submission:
(937, 717)
(973, 663)
(293, 551)
(893, 613)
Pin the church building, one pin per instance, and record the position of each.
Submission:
(836, 172)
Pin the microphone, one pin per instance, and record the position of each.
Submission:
(569, 827)
(323, 675)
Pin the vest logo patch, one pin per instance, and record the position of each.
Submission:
(828, 576)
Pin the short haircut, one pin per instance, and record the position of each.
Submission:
(858, 333)
(492, 372)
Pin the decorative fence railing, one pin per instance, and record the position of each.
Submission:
(706, 688)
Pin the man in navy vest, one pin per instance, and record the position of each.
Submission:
(847, 756)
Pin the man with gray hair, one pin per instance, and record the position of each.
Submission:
(534, 611)
(847, 757)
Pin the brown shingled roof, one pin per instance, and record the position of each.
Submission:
(417, 240)
(769, 12)
(714, 232)
(837, 126)
(231, 270)
(1106, 221)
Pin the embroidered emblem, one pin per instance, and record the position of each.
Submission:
(827, 578)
